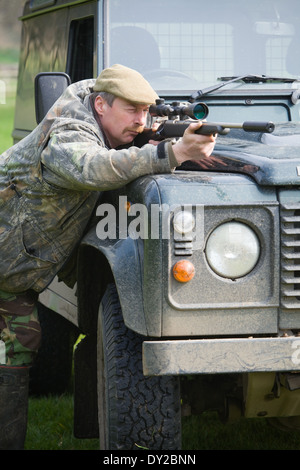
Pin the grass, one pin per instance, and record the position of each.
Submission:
(206, 432)
(50, 420)
(50, 425)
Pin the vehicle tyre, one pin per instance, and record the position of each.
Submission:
(52, 370)
(135, 412)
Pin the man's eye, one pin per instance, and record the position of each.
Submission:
(137, 110)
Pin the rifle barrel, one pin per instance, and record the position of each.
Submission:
(248, 126)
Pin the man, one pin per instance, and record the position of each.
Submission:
(49, 186)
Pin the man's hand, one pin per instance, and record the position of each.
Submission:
(194, 146)
(154, 128)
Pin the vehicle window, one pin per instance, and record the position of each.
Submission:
(195, 42)
(80, 49)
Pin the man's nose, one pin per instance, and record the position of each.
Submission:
(140, 118)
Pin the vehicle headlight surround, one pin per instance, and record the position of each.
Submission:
(183, 222)
(232, 250)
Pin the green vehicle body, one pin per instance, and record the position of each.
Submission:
(235, 338)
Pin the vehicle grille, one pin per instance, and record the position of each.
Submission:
(290, 256)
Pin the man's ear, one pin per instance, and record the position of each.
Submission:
(99, 105)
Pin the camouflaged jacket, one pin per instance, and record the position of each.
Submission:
(49, 184)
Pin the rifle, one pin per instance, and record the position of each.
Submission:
(170, 128)
(175, 128)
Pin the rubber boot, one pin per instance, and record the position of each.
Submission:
(13, 407)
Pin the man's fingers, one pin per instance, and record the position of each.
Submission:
(154, 142)
(193, 127)
(155, 126)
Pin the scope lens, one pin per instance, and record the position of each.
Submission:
(200, 111)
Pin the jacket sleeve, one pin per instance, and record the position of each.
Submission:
(76, 158)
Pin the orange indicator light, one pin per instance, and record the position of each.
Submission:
(183, 271)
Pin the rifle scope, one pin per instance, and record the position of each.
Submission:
(195, 111)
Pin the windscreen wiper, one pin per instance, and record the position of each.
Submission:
(227, 80)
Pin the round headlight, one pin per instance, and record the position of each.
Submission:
(183, 222)
(232, 250)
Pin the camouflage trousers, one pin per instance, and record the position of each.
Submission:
(19, 327)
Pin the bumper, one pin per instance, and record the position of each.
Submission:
(216, 356)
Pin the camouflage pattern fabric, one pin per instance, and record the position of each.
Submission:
(19, 327)
(49, 185)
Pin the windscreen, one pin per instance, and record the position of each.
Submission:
(184, 45)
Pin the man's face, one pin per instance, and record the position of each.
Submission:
(122, 121)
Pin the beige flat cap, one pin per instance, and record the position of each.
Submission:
(125, 83)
